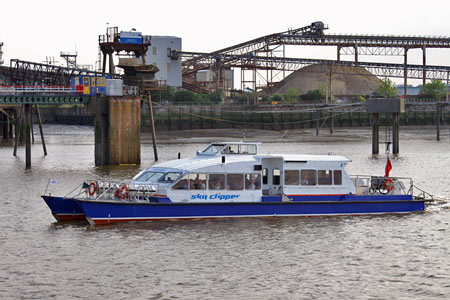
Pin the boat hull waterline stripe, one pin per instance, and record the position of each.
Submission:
(98, 221)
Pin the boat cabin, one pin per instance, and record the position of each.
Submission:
(236, 172)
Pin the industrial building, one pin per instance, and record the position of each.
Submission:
(162, 53)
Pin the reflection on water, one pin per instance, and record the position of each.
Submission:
(381, 257)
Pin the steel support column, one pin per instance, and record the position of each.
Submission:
(405, 73)
(424, 51)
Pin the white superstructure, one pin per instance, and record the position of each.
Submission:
(235, 172)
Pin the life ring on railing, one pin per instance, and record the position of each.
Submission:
(124, 192)
(389, 184)
(92, 188)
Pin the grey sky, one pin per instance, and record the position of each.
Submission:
(32, 30)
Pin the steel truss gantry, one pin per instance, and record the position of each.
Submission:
(293, 64)
(31, 73)
(258, 54)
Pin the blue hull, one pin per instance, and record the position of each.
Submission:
(101, 212)
(64, 209)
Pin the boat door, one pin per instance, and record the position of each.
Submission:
(272, 170)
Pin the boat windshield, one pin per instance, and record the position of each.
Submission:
(213, 149)
(151, 176)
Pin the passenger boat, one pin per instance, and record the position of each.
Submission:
(229, 180)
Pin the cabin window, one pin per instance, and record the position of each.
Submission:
(247, 149)
(276, 174)
(197, 181)
(291, 177)
(308, 177)
(265, 177)
(235, 182)
(183, 184)
(216, 182)
(170, 177)
(149, 176)
(252, 181)
(325, 177)
(213, 149)
(231, 149)
(337, 177)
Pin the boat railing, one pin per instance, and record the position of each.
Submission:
(370, 185)
(125, 190)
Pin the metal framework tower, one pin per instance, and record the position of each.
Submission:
(70, 58)
(1, 53)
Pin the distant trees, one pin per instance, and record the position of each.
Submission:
(387, 89)
(436, 90)
(187, 97)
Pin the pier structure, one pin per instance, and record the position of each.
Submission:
(393, 106)
(17, 105)
(265, 57)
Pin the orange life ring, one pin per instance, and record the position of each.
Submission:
(389, 184)
(124, 192)
(92, 188)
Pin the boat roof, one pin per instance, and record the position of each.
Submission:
(199, 162)
(194, 163)
(309, 157)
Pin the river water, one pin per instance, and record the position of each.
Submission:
(363, 257)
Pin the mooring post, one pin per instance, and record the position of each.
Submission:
(41, 131)
(375, 133)
(152, 124)
(396, 133)
(28, 135)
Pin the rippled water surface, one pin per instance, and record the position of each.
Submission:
(365, 257)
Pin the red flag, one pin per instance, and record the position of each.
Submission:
(388, 167)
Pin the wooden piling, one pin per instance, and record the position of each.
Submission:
(375, 133)
(331, 121)
(117, 130)
(41, 131)
(317, 122)
(18, 129)
(438, 121)
(396, 133)
(152, 123)
(28, 135)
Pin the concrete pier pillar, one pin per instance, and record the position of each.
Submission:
(375, 133)
(117, 126)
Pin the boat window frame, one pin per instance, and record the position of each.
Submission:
(195, 176)
(256, 177)
(222, 187)
(241, 186)
(286, 176)
(220, 147)
(304, 181)
(340, 177)
(146, 172)
(329, 180)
